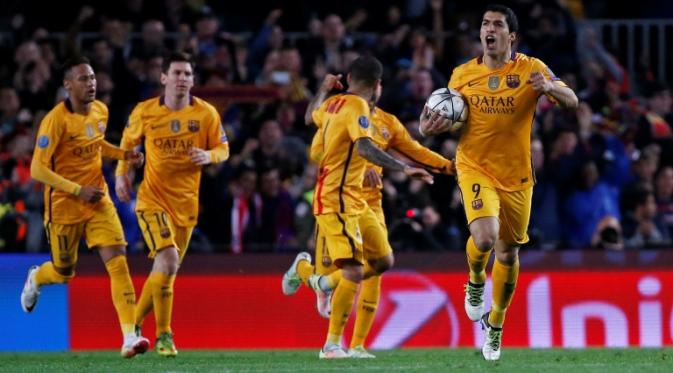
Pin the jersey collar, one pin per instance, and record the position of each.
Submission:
(480, 59)
(162, 100)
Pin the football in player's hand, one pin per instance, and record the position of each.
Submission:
(450, 104)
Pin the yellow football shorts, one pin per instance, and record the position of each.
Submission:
(103, 229)
(332, 245)
(481, 199)
(160, 232)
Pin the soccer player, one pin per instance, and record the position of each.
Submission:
(387, 133)
(493, 160)
(181, 133)
(339, 206)
(68, 160)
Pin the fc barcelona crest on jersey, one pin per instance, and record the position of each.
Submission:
(513, 81)
(477, 204)
(385, 133)
(89, 130)
(193, 125)
(175, 126)
(493, 83)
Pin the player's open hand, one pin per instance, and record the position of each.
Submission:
(199, 156)
(90, 193)
(419, 173)
(540, 83)
(372, 178)
(433, 122)
(123, 187)
(134, 158)
(331, 82)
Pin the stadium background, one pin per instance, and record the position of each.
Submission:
(597, 272)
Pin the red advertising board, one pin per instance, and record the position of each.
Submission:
(550, 309)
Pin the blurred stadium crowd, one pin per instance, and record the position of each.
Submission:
(604, 173)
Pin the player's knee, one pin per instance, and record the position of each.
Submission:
(508, 256)
(65, 273)
(384, 264)
(484, 241)
(353, 272)
(167, 261)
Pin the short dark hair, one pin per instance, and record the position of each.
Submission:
(510, 17)
(72, 62)
(176, 57)
(366, 70)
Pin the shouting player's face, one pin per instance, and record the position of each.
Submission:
(494, 34)
(179, 79)
(80, 82)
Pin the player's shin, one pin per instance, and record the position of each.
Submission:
(342, 303)
(304, 271)
(123, 293)
(477, 261)
(145, 303)
(47, 275)
(504, 284)
(162, 297)
(368, 302)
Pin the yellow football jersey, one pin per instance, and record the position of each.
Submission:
(70, 145)
(389, 133)
(496, 139)
(171, 181)
(342, 119)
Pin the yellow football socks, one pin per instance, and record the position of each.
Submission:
(162, 298)
(504, 284)
(145, 303)
(477, 261)
(47, 275)
(368, 301)
(342, 304)
(333, 279)
(304, 270)
(123, 293)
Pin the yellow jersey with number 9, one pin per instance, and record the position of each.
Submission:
(496, 140)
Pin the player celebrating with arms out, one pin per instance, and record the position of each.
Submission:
(68, 159)
(493, 160)
(182, 133)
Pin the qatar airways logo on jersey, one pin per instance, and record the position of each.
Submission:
(86, 152)
(173, 146)
(493, 104)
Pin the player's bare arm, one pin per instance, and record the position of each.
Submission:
(329, 83)
(372, 153)
(564, 95)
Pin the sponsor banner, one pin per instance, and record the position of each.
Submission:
(550, 309)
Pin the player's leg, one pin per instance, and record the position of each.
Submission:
(63, 242)
(514, 217)
(379, 255)
(482, 205)
(104, 232)
(344, 246)
(160, 236)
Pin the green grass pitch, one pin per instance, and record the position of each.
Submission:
(408, 360)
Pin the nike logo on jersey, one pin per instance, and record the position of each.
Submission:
(73, 137)
(155, 126)
(473, 83)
